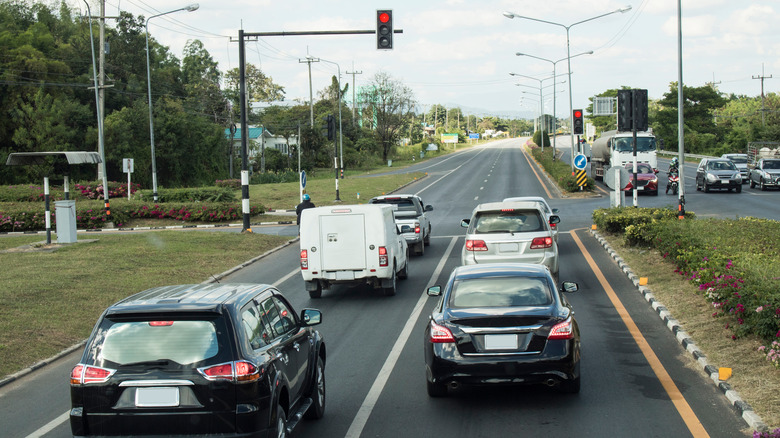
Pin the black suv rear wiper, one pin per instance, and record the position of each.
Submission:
(158, 362)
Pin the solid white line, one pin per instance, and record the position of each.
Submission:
(50, 426)
(449, 173)
(286, 277)
(356, 428)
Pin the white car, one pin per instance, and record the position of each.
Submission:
(545, 208)
(741, 161)
(510, 232)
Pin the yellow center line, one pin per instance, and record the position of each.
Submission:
(682, 406)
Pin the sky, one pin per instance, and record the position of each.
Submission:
(460, 53)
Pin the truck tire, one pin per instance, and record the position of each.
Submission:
(752, 184)
(316, 293)
(390, 291)
(403, 274)
(427, 238)
(420, 249)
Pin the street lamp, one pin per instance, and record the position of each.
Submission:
(341, 149)
(101, 145)
(511, 15)
(540, 98)
(190, 8)
(541, 102)
(555, 114)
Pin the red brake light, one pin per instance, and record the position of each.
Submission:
(417, 228)
(383, 259)
(246, 371)
(304, 259)
(223, 371)
(476, 245)
(507, 209)
(440, 334)
(83, 374)
(562, 330)
(160, 323)
(541, 242)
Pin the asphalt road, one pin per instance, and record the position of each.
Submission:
(635, 382)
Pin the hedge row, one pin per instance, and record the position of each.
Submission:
(733, 262)
(26, 216)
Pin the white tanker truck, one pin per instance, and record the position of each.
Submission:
(615, 149)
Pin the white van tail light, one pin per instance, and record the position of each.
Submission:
(417, 228)
(304, 259)
(382, 256)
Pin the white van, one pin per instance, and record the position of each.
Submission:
(352, 243)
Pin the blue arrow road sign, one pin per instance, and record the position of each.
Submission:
(580, 162)
(303, 179)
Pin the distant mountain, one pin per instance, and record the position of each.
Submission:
(502, 113)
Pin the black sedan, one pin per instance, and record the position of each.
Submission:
(231, 360)
(502, 323)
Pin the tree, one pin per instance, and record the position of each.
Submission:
(390, 108)
(201, 78)
(698, 108)
(258, 87)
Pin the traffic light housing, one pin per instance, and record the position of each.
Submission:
(639, 100)
(384, 29)
(578, 125)
(625, 110)
(331, 126)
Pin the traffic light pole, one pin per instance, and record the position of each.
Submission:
(242, 36)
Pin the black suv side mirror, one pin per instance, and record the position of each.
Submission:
(311, 317)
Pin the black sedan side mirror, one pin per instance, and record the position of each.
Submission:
(569, 286)
(311, 317)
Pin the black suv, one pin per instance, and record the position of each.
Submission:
(227, 359)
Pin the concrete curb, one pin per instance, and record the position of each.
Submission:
(170, 227)
(742, 407)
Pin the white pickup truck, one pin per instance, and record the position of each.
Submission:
(352, 244)
(410, 218)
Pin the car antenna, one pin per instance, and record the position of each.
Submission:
(216, 280)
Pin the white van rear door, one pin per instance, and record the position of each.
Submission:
(343, 242)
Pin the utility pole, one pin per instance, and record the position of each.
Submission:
(102, 74)
(762, 77)
(353, 73)
(309, 60)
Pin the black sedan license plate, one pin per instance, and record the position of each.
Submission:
(501, 342)
(156, 397)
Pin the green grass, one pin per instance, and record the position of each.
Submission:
(50, 300)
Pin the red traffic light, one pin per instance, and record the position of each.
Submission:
(577, 113)
(384, 17)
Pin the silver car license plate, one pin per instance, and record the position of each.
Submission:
(155, 397)
(501, 342)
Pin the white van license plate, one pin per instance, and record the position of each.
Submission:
(156, 397)
(345, 275)
(508, 247)
(501, 342)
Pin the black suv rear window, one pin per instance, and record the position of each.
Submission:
(184, 342)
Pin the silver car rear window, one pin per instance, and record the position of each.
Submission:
(184, 342)
(500, 292)
(508, 222)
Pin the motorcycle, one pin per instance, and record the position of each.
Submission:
(673, 182)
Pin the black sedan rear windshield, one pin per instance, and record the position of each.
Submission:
(184, 342)
(500, 292)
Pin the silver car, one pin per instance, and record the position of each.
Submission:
(510, 232)
(548, 211)
(741, 161)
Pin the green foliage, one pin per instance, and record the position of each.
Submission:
(203, 194)
(537, 138)
(733, 262)
(274, 177)
(560, 171)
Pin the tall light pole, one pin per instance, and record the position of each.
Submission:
(555, 114)
(511, 15)
(540, 98)
(189, 8)
(101, 145)
(341, 149)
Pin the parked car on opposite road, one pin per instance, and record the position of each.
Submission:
(200, 359)
(501, 323)
(741, 161)
(410, 218)
(648, 179)
(510, 232)
(765, 174)
(548, 211)
(718, 173)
